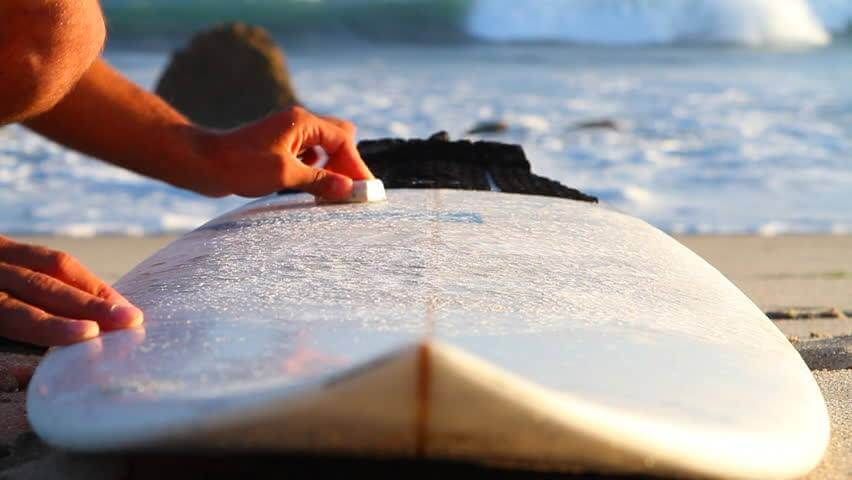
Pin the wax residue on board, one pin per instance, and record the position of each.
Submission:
(487, 276)
(248, 292)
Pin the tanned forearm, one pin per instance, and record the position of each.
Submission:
(50, 81)
(45, 47)
(109, 117)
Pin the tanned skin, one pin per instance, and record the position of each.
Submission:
(54, 82)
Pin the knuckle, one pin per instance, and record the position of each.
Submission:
(5, 298)
(298, 113)
(37, 280)
(102, 290)
(60, 262)
(94, 305)
(39, 316)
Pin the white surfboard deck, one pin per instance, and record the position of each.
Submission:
(490, 327)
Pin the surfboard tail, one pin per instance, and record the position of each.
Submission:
(433, 400)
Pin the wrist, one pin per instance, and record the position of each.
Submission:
(206, 170)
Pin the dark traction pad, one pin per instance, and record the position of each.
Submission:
(438, 162)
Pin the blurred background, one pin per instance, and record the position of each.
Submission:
(713, 116)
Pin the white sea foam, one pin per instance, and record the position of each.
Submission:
(709, 140)
(630, 22)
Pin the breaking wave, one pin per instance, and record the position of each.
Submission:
(641, 22)
(601, 22)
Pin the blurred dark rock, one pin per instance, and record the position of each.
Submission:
(228, 75)
(604, 124)
(497, 126)
(826, 354)
(442, 136)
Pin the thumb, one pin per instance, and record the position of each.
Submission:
(323, 183)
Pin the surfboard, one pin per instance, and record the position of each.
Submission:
(487, 327)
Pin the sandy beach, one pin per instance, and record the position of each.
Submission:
(805, 279)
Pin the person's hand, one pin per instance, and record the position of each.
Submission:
(48, 298)
(265, 156)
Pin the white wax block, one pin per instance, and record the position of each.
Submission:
(363, 191)
(368, 191)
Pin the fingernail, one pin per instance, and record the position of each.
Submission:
(125, 316)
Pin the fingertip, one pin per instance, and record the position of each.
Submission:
(77, 331)
(362, 172)
(123, 315)
(334, 187)
(348, 162)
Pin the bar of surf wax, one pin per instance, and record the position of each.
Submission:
(363, 191)
(368, 191)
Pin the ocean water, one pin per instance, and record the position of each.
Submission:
(740, 122)
(607, 22)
